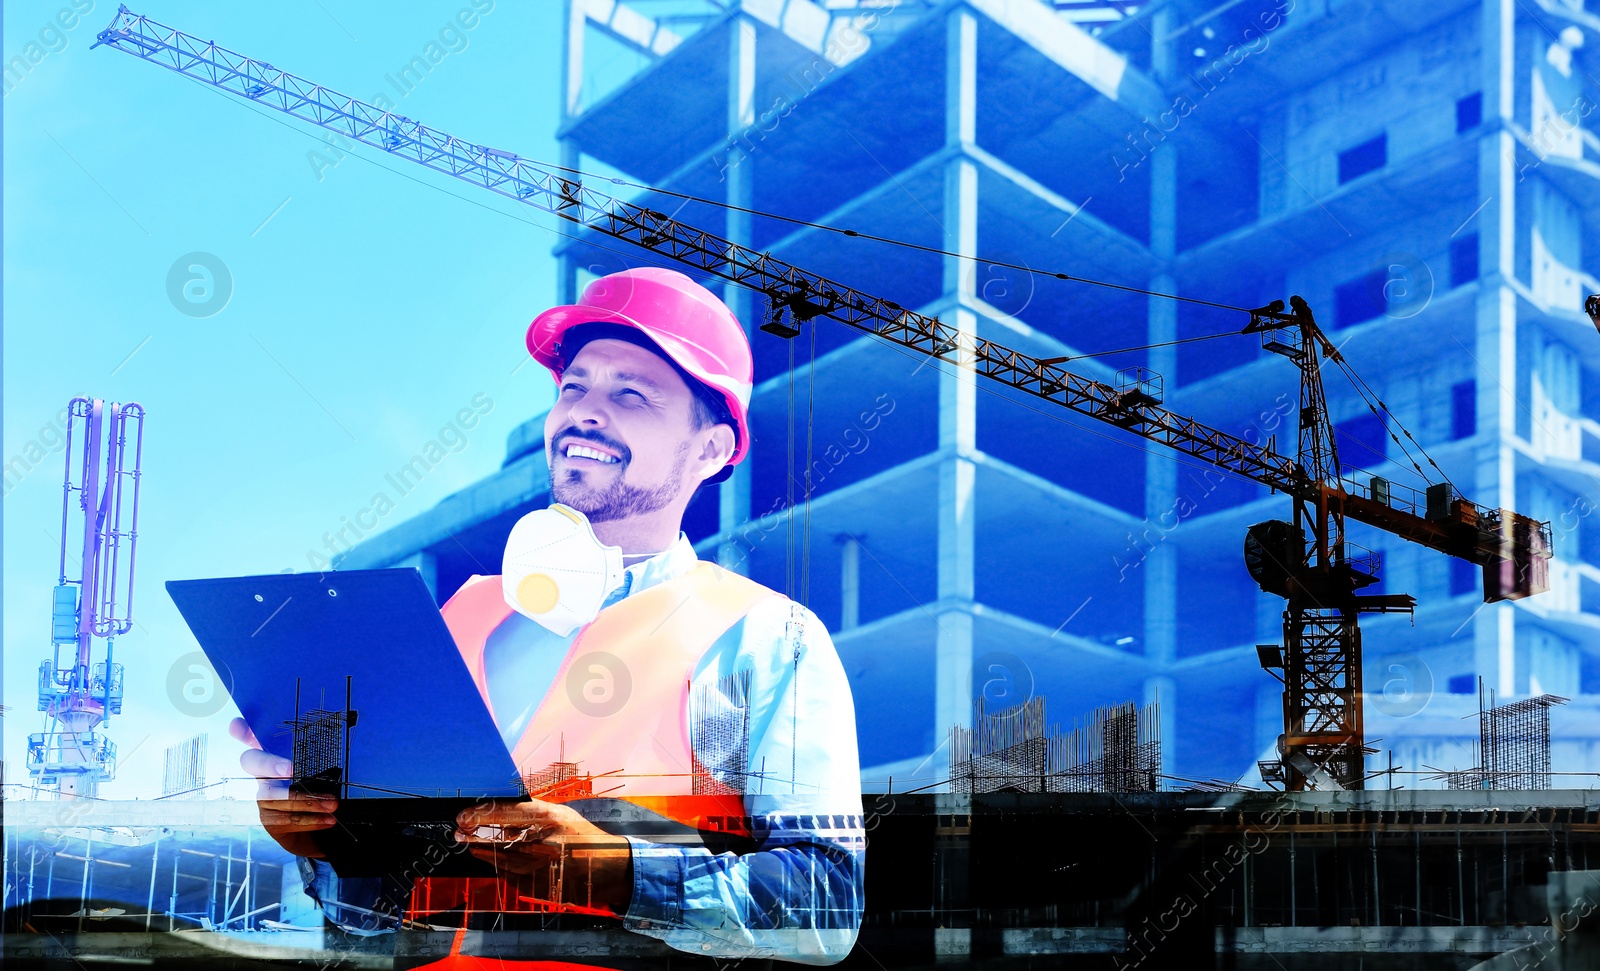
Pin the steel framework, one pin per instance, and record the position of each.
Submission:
(184, 768)
(1118, 749)
(719, 736)
(319, 745)
(1513, 746)
(1515, 741)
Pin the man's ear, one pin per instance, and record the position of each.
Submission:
(715, 451)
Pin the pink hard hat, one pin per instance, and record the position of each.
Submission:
(693, 328)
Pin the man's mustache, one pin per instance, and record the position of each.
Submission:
(620, 449)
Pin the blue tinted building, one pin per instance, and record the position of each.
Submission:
(1424, 173)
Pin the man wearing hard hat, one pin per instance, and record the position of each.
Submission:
(696, 700)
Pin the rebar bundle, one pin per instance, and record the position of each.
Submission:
(185, 766)
(1118, 749)
(1513, 746)
(719, 736)
(319, 745)
(1515, 742)
(557, 782)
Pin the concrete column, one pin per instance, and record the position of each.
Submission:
(1495, 343)
(961, 78)
(1161, 467)
(567, 266)
(1160, 569)
(957, 392)
(572, 61)
(849, 582)
(734, 509)
(1162, 67)
(956, 551)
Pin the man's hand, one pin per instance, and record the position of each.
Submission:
(595, 869)
(291, 818)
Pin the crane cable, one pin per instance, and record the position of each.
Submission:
(811, 402)
(1167, 454)
(1355, 379)
(1379, 408)
(888, 240)
(1381, 454)
(788, 555)
(668, 264)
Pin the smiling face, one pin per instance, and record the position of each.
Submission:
(622, 438)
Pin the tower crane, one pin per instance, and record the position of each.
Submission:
(92, 599)
(1307, 560)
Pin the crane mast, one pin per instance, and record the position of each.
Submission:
(1307, 561)
(1323, 738)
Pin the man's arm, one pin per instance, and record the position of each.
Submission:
(798, 897)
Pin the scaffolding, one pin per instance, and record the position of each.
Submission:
(1118, 749)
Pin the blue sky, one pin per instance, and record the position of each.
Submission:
(368, 305)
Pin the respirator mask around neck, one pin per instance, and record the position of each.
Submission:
(556, 572)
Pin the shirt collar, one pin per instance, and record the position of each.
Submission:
(671, 563)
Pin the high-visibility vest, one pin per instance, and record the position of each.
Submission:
(619, 701)
(618, 705)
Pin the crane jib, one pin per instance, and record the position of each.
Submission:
(807, 294)
(1474, 533)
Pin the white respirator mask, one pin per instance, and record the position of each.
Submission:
(556, 572)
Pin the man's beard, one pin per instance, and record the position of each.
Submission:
(619, 500)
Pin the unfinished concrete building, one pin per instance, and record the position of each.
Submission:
(1422, 172)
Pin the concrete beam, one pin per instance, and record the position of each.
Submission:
(627, 25)
(1078, 53)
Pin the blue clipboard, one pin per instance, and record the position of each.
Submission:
(421, 727)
